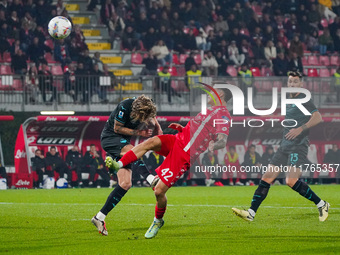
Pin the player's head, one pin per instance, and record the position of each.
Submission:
(232, 149)
(270, 150)
(75, 148)
(143, 109)
(295, 79)
(223, 93)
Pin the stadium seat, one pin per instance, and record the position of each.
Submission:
(173, 71)
(175, 59)
(56, 70)
(324, 60)
(186, 30)
(304, 60)
(324, 23)
(49, 58)
(324, 72)
(334, 60)
(136, 58)
(256, 71)
(182, 58)
(7, 57)
(181, 71)
(312, 72)
(333, 70)
(266, 71)
(198, 59)
(4, 69)
(17, 84)
(244, 31)
(231, 70)
(313, 61)
(49, 43)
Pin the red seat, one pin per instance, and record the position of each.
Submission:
(5, 69)
(136, 58)
(49, 43)
(231, 70)
(7, 57)
(333, 70)
(324, 72)
(313, 61)
(186, 30)
(324, 60)
(267, 86)
(244, 31)
(173, 71)
(198, 59)
(312, 72)
(182, 58)
(56, 70)
(49, 58)
(181, 71)
(324, 23)
(175, 59)
(17, 84)
(305, 60)
(256, 71)
(334, 60)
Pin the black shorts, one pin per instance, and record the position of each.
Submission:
(113, 145)
(290, 156)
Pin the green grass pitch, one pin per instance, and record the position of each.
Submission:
(198, 220)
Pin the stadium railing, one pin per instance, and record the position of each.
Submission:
(99, 93)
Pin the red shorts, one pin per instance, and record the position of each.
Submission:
(176, 163)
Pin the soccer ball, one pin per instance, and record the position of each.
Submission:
(59, 27)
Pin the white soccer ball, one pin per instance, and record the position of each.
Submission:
(59, 27)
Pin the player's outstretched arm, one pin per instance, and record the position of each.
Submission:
(120, 129)
(176, 126)
(313, 121)
(221, 141)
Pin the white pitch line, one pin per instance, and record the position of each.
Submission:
(186, 205)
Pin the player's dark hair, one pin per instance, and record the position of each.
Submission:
(232, 147)
(143, 108)
(92, 145)
(252, 146)
(37, 150)
(53, 147)
(226, 92)
(295, 74)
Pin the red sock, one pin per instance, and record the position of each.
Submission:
(238, 180)
(231, 179)
(159, 212)
(128, 158)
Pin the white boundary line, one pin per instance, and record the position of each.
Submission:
(186, 205)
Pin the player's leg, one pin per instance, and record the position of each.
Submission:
(138, 151)
(124, 184)
(293, 181)
(160, 193)
(260, 194)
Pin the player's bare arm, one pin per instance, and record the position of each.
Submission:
(221, 141)
(120, 129)
(314, 120)
(176, 126)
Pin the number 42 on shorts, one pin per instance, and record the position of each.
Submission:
(166, 173)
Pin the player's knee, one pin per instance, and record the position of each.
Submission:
(125, 185)
(159, 192)
(291, 181)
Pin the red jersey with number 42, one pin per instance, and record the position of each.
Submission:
(202, 129)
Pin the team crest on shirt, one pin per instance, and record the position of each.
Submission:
(226, 118)
(120, 114)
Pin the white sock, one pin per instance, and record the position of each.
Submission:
(251, 212)
(320, 204)
(156, 220)
(120, 164)
(150, 178)
(100, 216)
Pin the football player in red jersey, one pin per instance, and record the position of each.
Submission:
(181, 149)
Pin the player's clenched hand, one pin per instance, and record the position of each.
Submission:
(293, 133)
(176, 126)
(145, 133)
